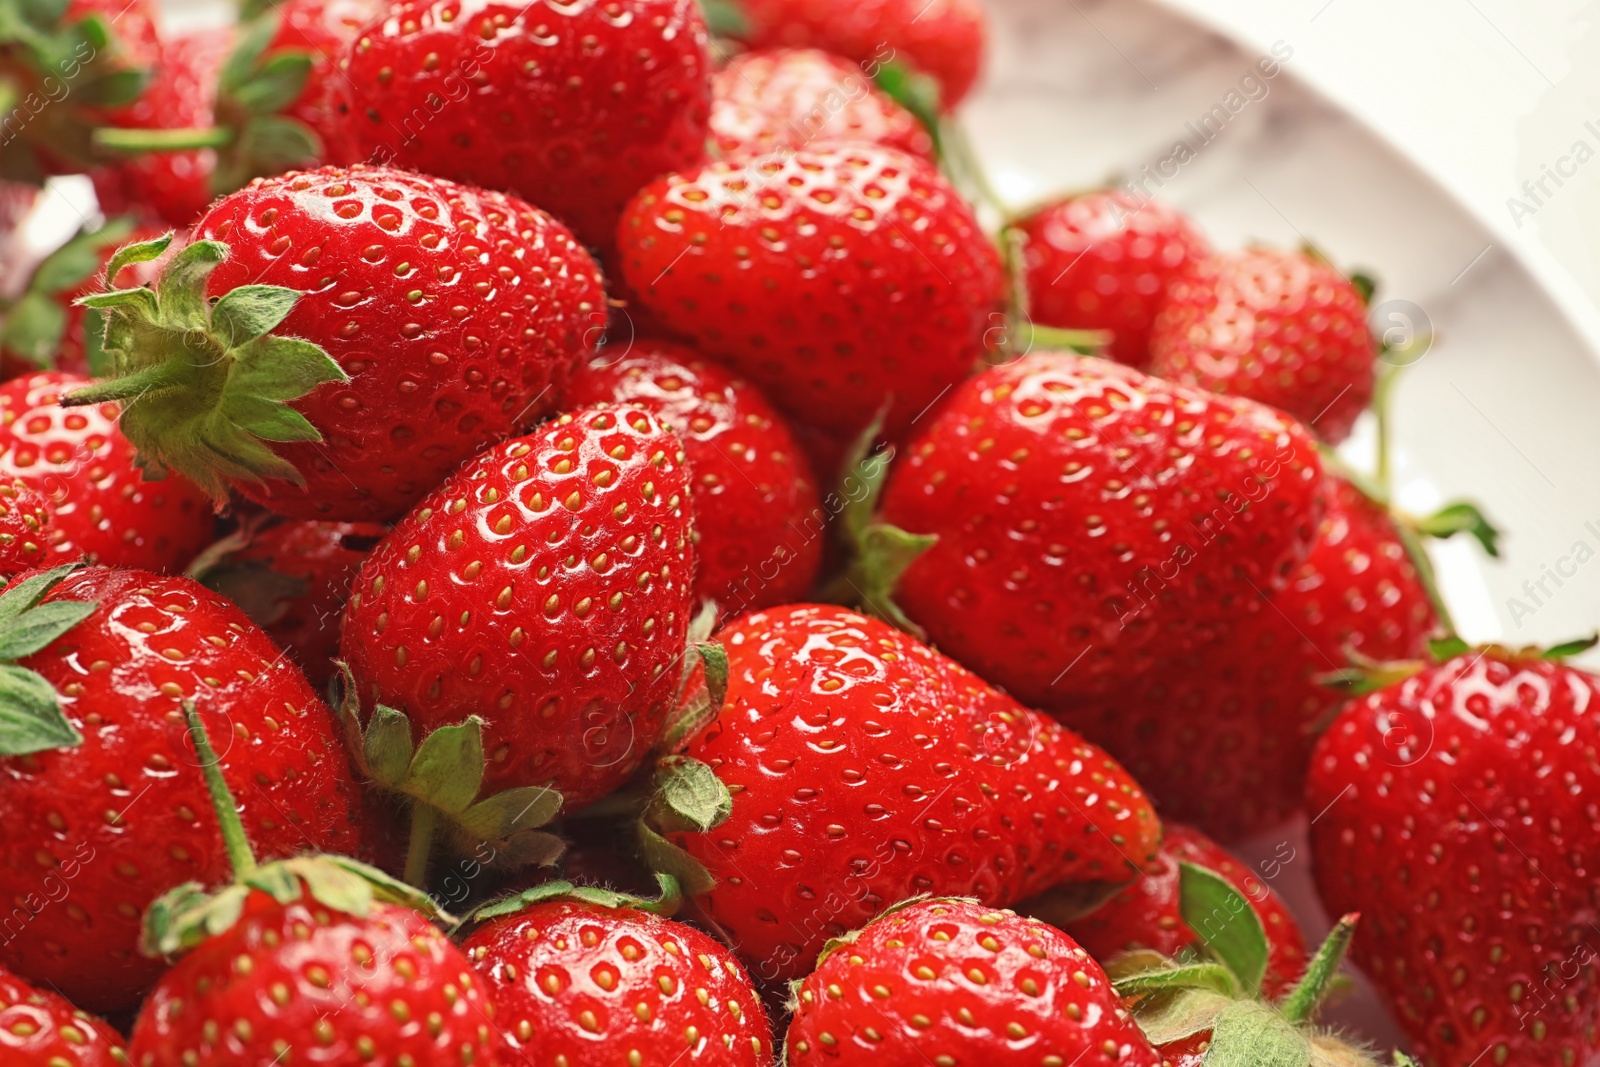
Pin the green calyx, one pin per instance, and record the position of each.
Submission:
(31, 719)
(688, 797)
(33, 324)
(442, 777)
(184, 917)
(917, 93)
(665, 905)
(211, 381)
(703, 687)
(725, 18)
(54, 80)
(250, 135)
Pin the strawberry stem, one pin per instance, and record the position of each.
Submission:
(424, 820)
(117, 139)
(1382, 402)
(1303, 1000)
(233, 835)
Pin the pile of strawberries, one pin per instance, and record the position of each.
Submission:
(577, 534)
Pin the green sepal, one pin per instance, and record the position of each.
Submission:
(725, 18)
(703, 688)
(1444, 648)
(80, 257)
(1213, 977)
(1365, 283)
(31, 718)
(265, 595)
(137, 252)
(1179, 1015)
(447, 769)
(1402, 1060)
(663, 857)
(35, 323)
(667, 904)
(1301, 1003)
(1462, 517)
(184, 917)
(33, 328)
(213, 387)
(689, 796)
(511, 812)
(1251, 1034)
(1225, 921)
(884, 553)
(917, 93)
(387, 747)
(1567, 649)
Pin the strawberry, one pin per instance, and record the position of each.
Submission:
(102, 507)
(39, 1027)
(758, 529)
(1456, 815)
(1089, 521)
(1284, 328)
(1148, 915)
(44, 327)
(322, 31)
(593, 976)
(942, 39)
(279, 323)
(1221, 735)
(1104, 260)
(98, 814)
(835, 278)
(862, 767)
(792, 98)
(951, 981)
(318, 959)
(68, 71)
(546, 588)
(293, 579)
(24, 528)
(573, 106)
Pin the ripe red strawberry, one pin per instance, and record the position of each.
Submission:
(1284, 328)
(573, 106)
(1147, 916)
(1091, 521)
(835, 278)
(38, 1027)
(44, 327)
(764, 102)
(758, 520)
(172, 186)
(956, 982)
(591, 976)
(24, 528)
(1457, 815)
(103, 810)
(318, 959)
(865, 767)
(322, 31)
(545, 587)
(1222, 735)
(943, 39)
(102, 507)
(293, 579)
(1104, 260)
(383, 325)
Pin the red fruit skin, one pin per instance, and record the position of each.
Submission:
(324, 30)
(547, 966)
(24, 528)
(834, 278)
(102, 508)
(325, 556)
(1104, 260)
(511, 303)
(1032, 993)
(1460, 822)
(1146, 914)
(391, 979)
(758, 519)
(1279, 327)
(1222, 736)
(172, 187)
(545, 587)
(90, 835)
(944, 39)
(866, 768)
(573, 106)
(764, 102)
(38, 1027)
(1093, 520)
